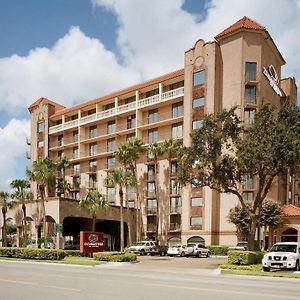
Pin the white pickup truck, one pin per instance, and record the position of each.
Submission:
(142, 247)
(282, 256)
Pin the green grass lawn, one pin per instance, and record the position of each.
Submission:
(254, 270)
(69, 260)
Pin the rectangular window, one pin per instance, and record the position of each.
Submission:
(248, 196)
(250, 94)
(130, 203)
(60, 140)
(75, 152)
(131, 192)
(198, 78)
(198, 102)
(174, 168)
(151, 189)
(76, 195)
(111, 145)
(40, 127)
(177, 110)
(131, 122)
(93, 131)
(176, 85)
(150, 173)
(197, 124)
(111, 194)
(152, 93)
(197, 201)
(150, 156)
(175, 222)
(152, 135)
(93, 181)
(130, 137)
(40, 144)
(111, 162)
(196, 221)
(109, 106)
(111, 126)
(175, 188)
(249, 116)
(76, 169)
(152, 116)
(76, 183)
(175, 204)
(248, 183)
(60, 153)
(151, 206)
(250, 71)
(75, 136)
(93, 165)
(177, 131)
(93, 148)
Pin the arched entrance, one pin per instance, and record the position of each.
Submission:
(289, 235)
(196, 239)
(174, 241)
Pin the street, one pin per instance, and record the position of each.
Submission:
(152, 278)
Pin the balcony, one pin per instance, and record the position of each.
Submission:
(92, 169)
(151, 210)
(151, 227)
(75, 186)
(175, 226)
(111, 199)
(175, 210)
(92, 185)
(118, 110)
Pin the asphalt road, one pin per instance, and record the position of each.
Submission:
(152, 278)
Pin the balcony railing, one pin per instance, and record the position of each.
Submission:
(151, 227)
(75, 186)
(120, 109)
(175, 227)
(151, 210)
(175, 209)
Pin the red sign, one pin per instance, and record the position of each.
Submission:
(91, 241)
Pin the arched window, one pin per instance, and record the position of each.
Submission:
(196, 239)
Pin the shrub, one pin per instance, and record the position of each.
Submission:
(244, 257)
(115, 256)
(30, 253)
(257, 267)
(218, 250)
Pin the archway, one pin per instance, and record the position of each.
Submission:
(289, 235)
(174, 241)
(196, 239)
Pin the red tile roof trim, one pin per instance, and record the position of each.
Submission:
(245, 22)
(290, 210)
(122, 92)
(46, 101)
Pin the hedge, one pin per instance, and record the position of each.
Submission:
(244, 257)
(115, 256)
(30, 253)
(218, 250)
(76, 253)
(256, 267)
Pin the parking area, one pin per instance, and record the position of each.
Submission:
(183, 263)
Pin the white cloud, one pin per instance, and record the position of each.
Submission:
(153, 35)
(76, 68)
(13, 146)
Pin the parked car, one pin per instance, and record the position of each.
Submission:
(178, 250)
(142, 247)
(197, 250)
(241, 246)
(284, 255)
(158, 250)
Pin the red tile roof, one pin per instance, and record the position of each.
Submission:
(122, 92)
(291, 210)
(245, 22)
(45, 101)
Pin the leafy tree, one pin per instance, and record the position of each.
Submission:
(22, 194)
(156, 150)
(128, 155)
(92, 203)
(224, 151)
(5, 205)
(63, 163)
(121, 179)
(43, 173)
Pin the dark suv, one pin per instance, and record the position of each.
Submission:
(196, 250)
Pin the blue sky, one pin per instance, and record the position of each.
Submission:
(75, 50)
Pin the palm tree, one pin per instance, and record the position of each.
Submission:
(128, 154)
(92, 203)
(121, 179)
(5, 205)
(63, 163)
(156, 151)
(43, 173)
(22, 194)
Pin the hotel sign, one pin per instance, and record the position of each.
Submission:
(91, 241)
(272, 76)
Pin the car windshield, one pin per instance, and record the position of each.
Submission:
(284, 248)
(191, 245)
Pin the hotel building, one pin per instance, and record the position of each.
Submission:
(241, 66)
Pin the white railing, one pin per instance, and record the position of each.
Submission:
(120, 109)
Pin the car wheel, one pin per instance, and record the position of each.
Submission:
(170, 255)
(142, 252)
(187, 256)
(208, 254)
(297, 267)
(182, 254)
(163, 253)
(266, 269)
